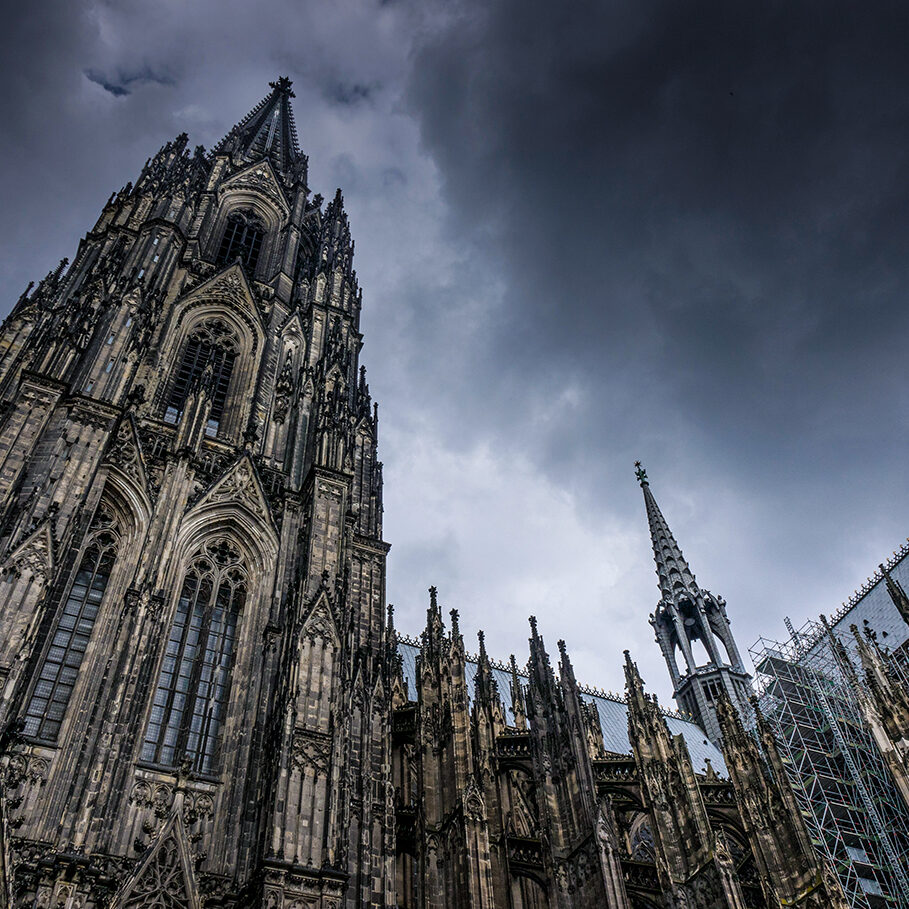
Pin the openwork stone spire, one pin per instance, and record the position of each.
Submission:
(692, 622)
(672, 569)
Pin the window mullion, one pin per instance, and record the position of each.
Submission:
(198, 664)
(168, 705)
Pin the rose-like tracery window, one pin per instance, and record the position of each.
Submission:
(69, 638)
(208, 358)
(194, 684)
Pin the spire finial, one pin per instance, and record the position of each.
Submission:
(283, 86)
(455, 630)
(433, 595)
(641, 474)
(634, 684)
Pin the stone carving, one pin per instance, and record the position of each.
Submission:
(196, 805)
(283, 389)
(320, 623)
(311, 750)
(157, 796)
(163, 882)
(35, 554)
(474, 806)
(125, 452)
(25, 768)
(260, 179)
(240, 486)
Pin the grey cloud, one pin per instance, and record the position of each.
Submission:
(122, 84)
(351, 93)
(118, 91)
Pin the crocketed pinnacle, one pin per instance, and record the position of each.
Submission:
(672, 569)
(268, 129)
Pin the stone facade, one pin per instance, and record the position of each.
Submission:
(203, 698)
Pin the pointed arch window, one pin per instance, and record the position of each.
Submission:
(62, 660)
(242, 238)
(208, 360)
(194, 683)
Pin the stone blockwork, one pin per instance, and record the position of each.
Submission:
(203, 701)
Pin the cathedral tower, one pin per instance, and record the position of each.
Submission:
(692, 621)
(192, 620)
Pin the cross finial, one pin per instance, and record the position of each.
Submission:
(640, 473)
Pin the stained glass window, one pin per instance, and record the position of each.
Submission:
(194, 684)
(69, 638)
(208, 357)
(242, 237)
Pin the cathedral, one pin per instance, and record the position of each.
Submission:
(205, 701)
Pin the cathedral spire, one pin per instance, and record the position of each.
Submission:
(672, 569)
(268, 130)
(692, 621)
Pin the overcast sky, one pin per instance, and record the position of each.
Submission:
(587, 233)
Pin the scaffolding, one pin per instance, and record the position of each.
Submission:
(850, 802)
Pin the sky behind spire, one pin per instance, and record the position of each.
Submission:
(673, 232)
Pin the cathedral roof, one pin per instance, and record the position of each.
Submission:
(612, 711)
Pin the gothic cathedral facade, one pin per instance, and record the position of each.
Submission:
(204, 700)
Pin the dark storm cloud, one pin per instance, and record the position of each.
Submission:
(122, 84)
(719, 188)
(351, 93)
(700, 214)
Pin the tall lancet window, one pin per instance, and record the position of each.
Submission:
(242, 237)
(70, 635)
(194, 684)
(208, 359)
